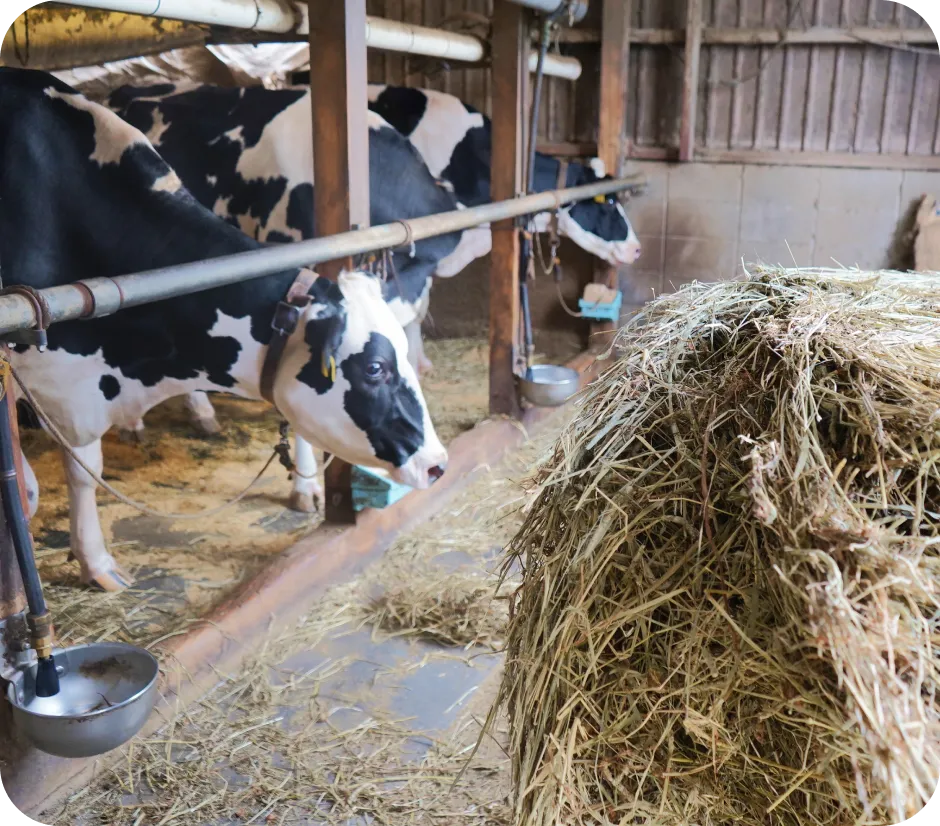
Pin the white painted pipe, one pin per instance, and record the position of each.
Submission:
(281, 17)
(557, 65)
(393, 36)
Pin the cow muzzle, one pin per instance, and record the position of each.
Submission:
(423, 469)
(625, 252)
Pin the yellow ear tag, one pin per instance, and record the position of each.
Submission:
(332, 369)
(600, 199)
(325, 367)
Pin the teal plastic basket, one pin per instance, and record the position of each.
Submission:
(601, 311)
(373, 490)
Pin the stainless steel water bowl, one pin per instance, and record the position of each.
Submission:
(549, 385)
(106, 693)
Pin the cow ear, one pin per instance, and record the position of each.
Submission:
(598, 167)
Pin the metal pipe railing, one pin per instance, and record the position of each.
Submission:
(290, 18)
(70, 301)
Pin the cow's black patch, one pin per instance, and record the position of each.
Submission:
(66, 217)
(300, 210)
(401, 106)
(205, 129)
(323, 336)
(109, 386)
(381, 403)
(26, 418)
(125, 94)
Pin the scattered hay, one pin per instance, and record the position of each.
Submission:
(280, 744)
(461, 608)
(730, 607)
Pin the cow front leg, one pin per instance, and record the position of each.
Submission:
(86, 539)
(307, 493)
(202, 413)
(133, 434)
(419, 362)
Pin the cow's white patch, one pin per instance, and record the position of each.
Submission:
(220, 207)
(247, 367)
(598, 167)
(168, 183)
(155, 132)
(113, 136)
(474, 243)
(212, 180)
(444, 124)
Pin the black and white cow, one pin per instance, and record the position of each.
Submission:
(247, 155)
(85, 195)
(455, 141)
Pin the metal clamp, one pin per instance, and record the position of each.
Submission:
(36, 336)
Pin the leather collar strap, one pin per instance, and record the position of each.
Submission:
(286, 315)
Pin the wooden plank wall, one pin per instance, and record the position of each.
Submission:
(850, 98)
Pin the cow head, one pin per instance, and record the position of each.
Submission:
(346, 386)
(600, 225)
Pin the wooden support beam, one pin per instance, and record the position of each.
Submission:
(510, 52)
(567, 149)
(693, 43)
(612, 124)
(340, 162)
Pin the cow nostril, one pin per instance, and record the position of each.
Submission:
(435, 473)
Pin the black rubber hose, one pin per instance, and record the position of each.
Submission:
(47, 678)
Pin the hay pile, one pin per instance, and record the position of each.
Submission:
(730, 609)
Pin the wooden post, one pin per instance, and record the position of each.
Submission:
(612, 124)
(510, 49)
(340, 161)
(693, 49)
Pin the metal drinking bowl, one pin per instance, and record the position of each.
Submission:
(106, 693)
(549, 385)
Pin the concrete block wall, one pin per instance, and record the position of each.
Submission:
(697, 221)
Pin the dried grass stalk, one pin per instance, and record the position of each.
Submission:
(458, 608)
(730, 611)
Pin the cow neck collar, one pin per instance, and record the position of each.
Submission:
(286, 317)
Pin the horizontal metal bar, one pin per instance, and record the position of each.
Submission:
(814, 36)
(68, 301)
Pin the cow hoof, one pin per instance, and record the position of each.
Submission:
(114, 579)
(208, 426)
(131, 437)
(304, 502)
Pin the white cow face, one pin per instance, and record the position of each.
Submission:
(346, 386)
(600, 226)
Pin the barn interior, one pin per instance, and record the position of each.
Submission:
(800, 133)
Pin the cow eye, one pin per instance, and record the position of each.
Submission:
(374, 369)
